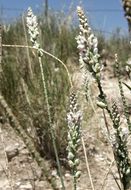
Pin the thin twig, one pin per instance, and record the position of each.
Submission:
(45, 52)
(105, 178)
(116, 180)
(87, 163)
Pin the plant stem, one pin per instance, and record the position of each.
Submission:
(50, 123)
(74, 182)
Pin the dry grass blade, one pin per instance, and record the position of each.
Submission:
(87, 164)
(47, 53)
(105, 178)
(116, 181)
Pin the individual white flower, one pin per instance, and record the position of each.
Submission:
(95, 42)
(81, 47)
(79, 8)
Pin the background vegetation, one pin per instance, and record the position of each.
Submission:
(24, 92)
(20, 79)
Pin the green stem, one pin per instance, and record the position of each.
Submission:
(74, 169)
(103, 97)
(50, 123)
(74, 182)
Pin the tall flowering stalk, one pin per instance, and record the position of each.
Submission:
(125, 106)
(74, 117)
(89, 56)
(33, 31)
(120, 150)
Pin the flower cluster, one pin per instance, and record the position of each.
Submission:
(87, 46)
(33, 31)
(32, 25)
(74, 117)
(120, 149)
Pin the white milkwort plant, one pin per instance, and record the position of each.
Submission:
(33, 31)
(88, 55)
(74, 118)
(121, 154)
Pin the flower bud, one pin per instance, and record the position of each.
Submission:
(78, 174)
(77, 162)
(70, 155)
(101, 104)
(71, 163)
